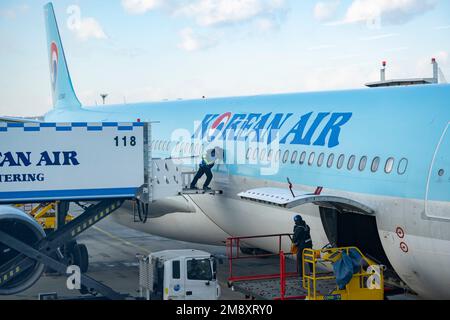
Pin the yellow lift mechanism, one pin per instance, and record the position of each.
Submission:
(44, 214)
(368, 284)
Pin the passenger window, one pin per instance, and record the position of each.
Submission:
(262, 155)
(330, 160)
(340, 162)
(197, 149)
(277, 156)
(181, 148)
(294, 157)
(255, 154)
(270, 155)
(402, 166)
(186, 150)
(303, 157)
(389, 165)
(176, 274)
(312, 156)
(286, 156)
(375, 164)
(320, 160)
(249, 152)
(351, 163)
(363, 163)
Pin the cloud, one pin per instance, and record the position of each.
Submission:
(325, 11)
(89, 28)
(222, 12)
(84, 28)
(208, 13)
(193, 41)
(140, 6)
(388, 11)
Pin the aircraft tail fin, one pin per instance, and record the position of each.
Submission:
(64, 96)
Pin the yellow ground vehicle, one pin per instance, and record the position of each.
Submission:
(44, 214)
(366, 284)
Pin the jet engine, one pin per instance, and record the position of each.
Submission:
(24, 228)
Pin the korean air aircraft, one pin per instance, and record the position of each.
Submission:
(381, 155)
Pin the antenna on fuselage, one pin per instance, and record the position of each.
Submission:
(291, 187)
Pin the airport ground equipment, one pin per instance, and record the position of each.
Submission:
(44, 214)
(104, 164)
(367, 282)
(275, 276)
(178, 275)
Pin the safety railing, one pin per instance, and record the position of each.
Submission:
(360, 287)
(234, 255)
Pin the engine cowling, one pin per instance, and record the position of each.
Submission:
(24, 228)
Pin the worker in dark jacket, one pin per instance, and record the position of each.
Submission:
(208, 162)
(302, 240)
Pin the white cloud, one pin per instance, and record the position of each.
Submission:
(140, 6)
(84, 28)
(389, 11)
(188, 41)
(89, 28)
(325, 11)
(193, 41)
(211, 12)
(220, 12)
(262, 15)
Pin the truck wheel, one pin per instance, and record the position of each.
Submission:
(74, 256)
(84, 258)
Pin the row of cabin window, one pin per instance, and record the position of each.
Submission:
(255, 154)
(189, 148)
(184, 147)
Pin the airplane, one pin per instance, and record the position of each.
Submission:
(382, 157)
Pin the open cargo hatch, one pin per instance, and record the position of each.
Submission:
(283, 198)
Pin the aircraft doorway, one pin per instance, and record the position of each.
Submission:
(345, 229)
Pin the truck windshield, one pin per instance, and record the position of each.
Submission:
(199, 269)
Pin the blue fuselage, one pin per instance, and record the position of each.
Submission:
(403, 125)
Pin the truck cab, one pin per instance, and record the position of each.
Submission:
(179, 275)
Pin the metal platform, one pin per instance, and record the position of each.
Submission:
(200, 191)
(270, 289)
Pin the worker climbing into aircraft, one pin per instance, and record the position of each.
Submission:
(209, 159)
(302, 240)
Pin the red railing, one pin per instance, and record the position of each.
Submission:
(235, 255)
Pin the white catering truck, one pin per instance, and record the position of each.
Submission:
(179, 275)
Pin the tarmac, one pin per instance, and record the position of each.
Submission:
(112, 256)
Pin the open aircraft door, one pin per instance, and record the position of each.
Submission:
(346, 222)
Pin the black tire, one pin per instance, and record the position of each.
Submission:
(84, 255)
(74, 256)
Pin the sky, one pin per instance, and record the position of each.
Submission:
(153, 50)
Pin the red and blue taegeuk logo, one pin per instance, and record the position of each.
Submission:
(54, 63)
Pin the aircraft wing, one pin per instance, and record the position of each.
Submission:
(18, 120)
